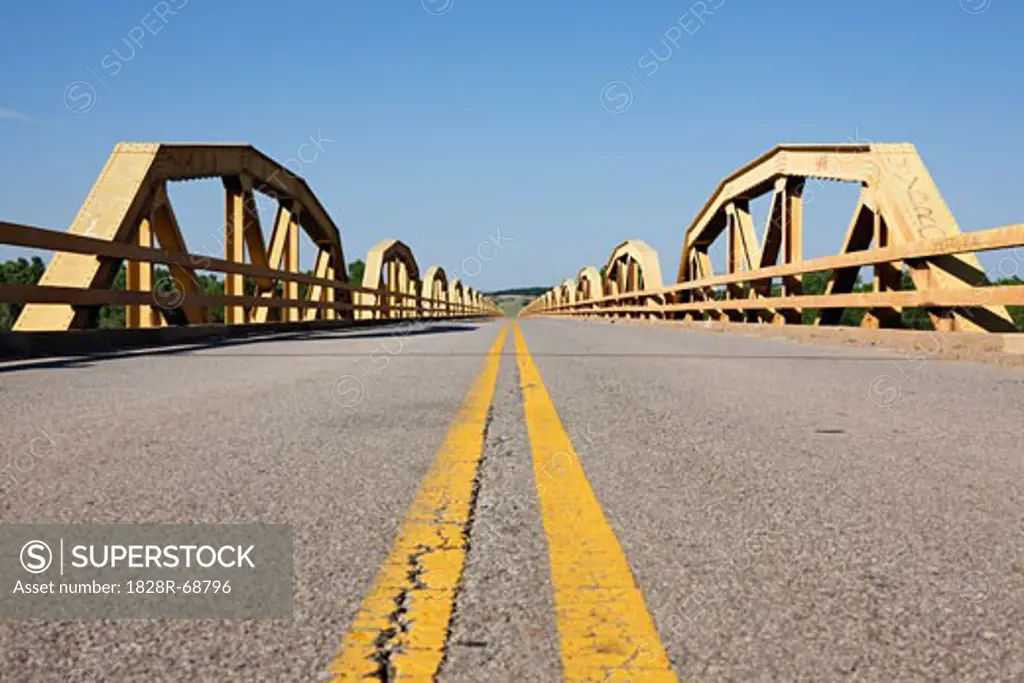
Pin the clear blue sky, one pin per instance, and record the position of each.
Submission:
(447, 125)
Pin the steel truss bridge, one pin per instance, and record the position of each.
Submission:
(900, 221)
(128, 218)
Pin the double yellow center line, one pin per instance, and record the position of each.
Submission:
(605, 630)
(402, 626)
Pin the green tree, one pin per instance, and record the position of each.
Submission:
(355, 272)
(1016, 312)
(115, 316)
(18, 272)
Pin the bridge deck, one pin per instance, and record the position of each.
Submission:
(788, 511)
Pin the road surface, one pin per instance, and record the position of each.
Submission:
(617, 502)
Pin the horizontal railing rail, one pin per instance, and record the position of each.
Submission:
(981, 240)
(712, 294)
(31, 237)
(16, 235)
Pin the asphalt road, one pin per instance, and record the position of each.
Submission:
(789, 512)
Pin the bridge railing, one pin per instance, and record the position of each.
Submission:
(755, 295)
(338, 300)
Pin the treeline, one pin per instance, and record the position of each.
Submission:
(30, 271)
(521, 291)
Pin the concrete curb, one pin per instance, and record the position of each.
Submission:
(996, 349)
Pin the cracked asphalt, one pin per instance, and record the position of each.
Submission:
(789, 512)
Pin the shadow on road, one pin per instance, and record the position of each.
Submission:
(397, 331)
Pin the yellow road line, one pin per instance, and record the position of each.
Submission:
(606, 631)
(403, 623)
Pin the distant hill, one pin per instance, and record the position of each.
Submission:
(522, 291)
(511, 301)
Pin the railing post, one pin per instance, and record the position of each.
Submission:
(140, 279)
(234, 246)
(792, 246)
(291, 261)
(330, 313)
